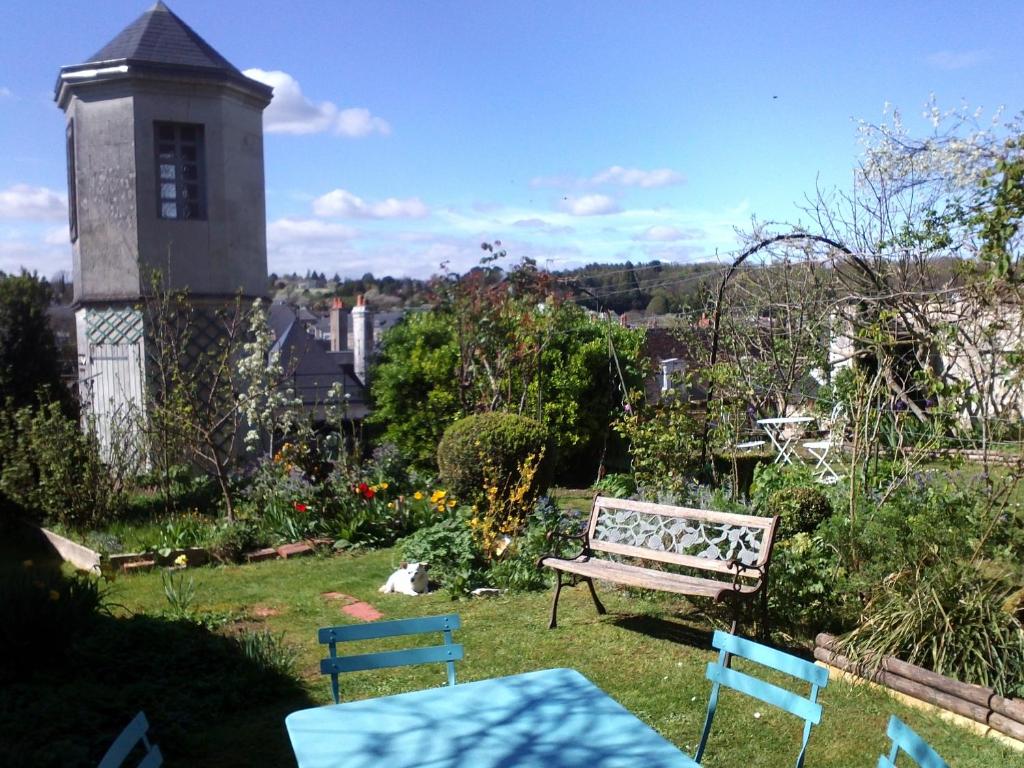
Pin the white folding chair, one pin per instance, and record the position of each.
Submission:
(824, 472)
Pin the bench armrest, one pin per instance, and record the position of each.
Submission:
(739, 570)
(582, 537)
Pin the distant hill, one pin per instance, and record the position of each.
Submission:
(654, 287)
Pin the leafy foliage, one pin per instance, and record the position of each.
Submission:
(28, 352)
(793, 494)
(53, 470)
(506, 341)
(416, 395)
(952, 619)
(455, 557)
(489, 449)
(664, 442)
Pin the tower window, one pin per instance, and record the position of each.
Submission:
(72, 183)
(180, 171)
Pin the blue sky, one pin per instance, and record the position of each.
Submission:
(404, 134)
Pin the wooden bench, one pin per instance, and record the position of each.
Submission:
(728, 553)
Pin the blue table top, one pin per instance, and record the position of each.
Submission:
(554, 718)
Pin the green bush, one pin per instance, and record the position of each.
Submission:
(53, 470)
(952, 618)
(619, 486)
(456, 559)
(546, 532)
(501, 442)
(793, 494)
(805, 592)
(230, 541)
(664, 444)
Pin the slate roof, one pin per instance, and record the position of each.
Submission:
(160, 40)
(310, 364)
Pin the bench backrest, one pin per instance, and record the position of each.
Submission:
(696, 538)
(448, 653)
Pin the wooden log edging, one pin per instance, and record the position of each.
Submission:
(975, 702)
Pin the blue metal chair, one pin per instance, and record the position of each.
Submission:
(903, 738)
(719, 673)
(127, 741)
(448, 653)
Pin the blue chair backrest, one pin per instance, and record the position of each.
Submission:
(719, 673)
(127, 741)
(449, 652)
(903, 738)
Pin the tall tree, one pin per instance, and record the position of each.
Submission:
(28, 352)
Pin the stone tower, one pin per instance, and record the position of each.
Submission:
(165, 176)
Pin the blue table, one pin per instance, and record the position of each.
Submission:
(555, 718)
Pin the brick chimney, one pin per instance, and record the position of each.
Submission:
(362, 340)
(339, 326)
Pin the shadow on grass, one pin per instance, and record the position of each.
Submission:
(684, 634)
(71, 678)
(664, 629)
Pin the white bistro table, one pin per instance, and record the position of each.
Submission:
(776, 429)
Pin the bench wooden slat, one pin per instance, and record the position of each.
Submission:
(665, 510)
(691, 561)
(645, 578)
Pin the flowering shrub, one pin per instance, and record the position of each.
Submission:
(509, 501)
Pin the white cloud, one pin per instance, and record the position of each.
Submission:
(292, 112)
(33, 255)
(634, 177)
(36, 203)
(343, 204)
(665, 233)
(310, 230)
(57, 236)
(5, 92)
(950, 60)
(588, 205)
(540, 225)
(613, 176)
(356, 122)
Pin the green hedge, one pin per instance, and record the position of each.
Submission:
(504, 440)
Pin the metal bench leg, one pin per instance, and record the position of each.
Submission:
(554, 603)
(597, 603)
(762, 630)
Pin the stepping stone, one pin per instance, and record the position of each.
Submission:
(294, 550)
(347, 599)
(269, 553)
(361, 610)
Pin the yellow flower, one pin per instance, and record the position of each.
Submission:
(181, 560)
(418, 495)
(451, 503)
(437, 495)
(383, 486)
(54, 595)
(391, 505)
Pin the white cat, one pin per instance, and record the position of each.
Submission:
(409, 579)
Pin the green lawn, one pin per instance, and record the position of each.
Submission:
(643, 653)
